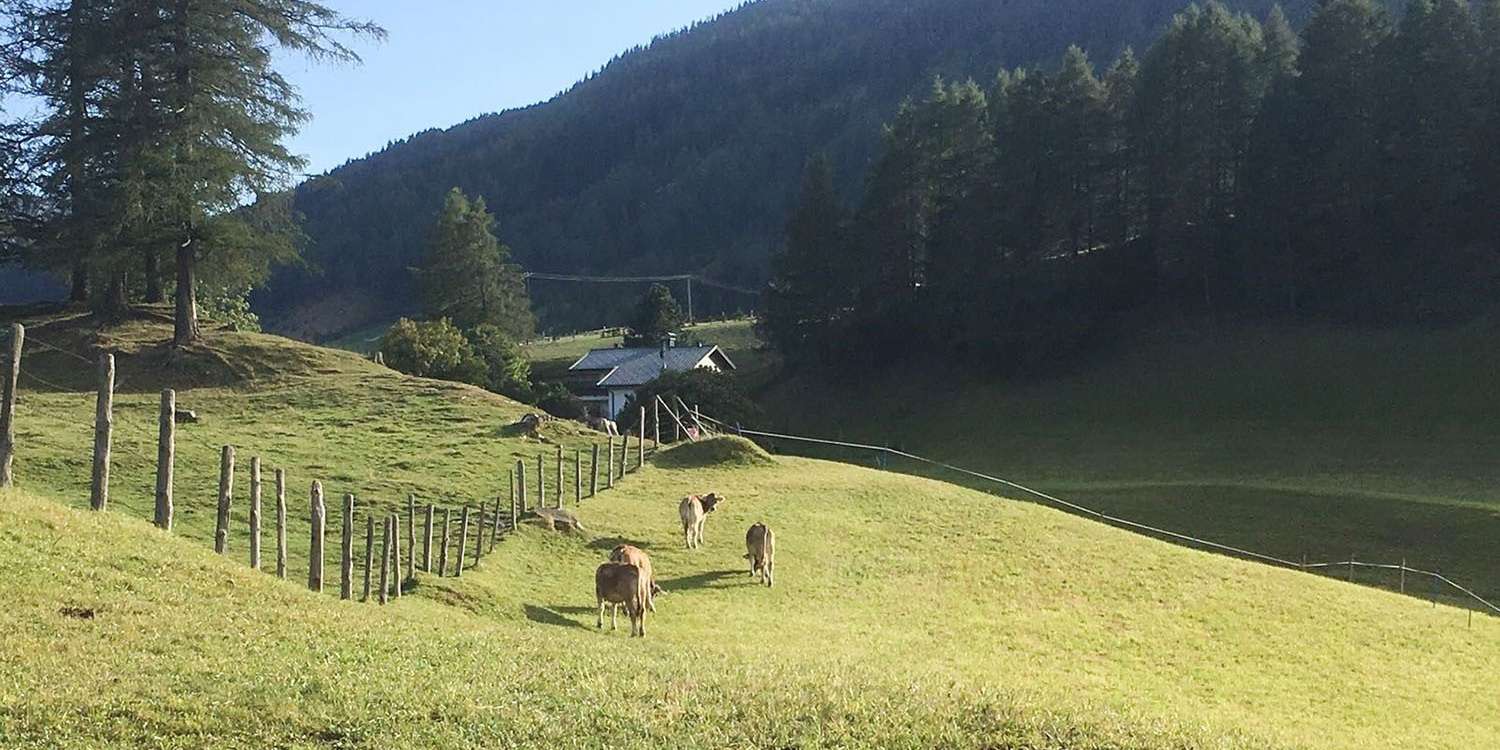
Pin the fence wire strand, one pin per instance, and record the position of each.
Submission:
(1106, 517)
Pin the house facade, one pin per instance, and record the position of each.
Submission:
(605, 379)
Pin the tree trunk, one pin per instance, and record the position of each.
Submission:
(153, 278)
(185, 322)
(80, 287)
(113, 302)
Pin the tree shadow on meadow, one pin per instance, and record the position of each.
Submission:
(557, 615)
(701, 580)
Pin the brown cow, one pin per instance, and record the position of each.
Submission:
(760, 544)
(693, 510)
(636, 556)
(621, 583)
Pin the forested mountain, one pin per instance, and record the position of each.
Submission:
(681, 156)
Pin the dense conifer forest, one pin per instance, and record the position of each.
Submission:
(683, 156)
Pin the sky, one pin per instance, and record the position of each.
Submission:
(447, 61)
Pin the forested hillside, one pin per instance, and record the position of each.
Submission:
(683, 156)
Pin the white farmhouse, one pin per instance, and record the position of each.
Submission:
(606, 378)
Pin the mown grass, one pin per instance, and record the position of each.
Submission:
(907, 613)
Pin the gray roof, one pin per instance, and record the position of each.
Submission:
(625, 368)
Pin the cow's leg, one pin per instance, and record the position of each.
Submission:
(600, 623)
(687, 534)
(770, 568)
(614, 612)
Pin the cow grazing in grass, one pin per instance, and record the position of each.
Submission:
(760, 546)
(636, 556)
(693, 510)
(622, 583)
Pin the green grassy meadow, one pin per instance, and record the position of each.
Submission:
(907, 612)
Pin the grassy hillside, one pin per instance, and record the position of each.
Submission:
(550, 358)
(908, 613)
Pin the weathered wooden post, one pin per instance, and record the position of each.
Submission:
(411, 537)
(427, 539)
(559, 477)
(385, 562)
(463, 541)
(369, 554)
(104, 424)
(8, 405)
(624, 454)
(521, 484)
(166, 455)
(1403, 575)
(396, 553)
(656, 424)
(443, 551)
(515, 517)
(281, 523)
(609, 466)
(541, 481)
(346, 551)
(495, 528)
(577, 476)
(255, 496)
(640, 441)
(226, 494)
(319, 515)
(594, 472)
(479, 535)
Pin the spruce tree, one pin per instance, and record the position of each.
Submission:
(656, 317)
(810, 280)
(468, 275)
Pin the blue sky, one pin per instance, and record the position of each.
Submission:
(449, 60)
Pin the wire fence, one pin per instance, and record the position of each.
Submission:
(1466, 594)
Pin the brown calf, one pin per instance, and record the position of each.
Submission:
(620, 583)
(693, 510)
(760, 546)
(636, 556)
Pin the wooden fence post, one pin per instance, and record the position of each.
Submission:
(515, 517)
(427, 540)
(521, 484)
(319, 514)
(411, 537)
(281, 523)
(104, 424)
(226, 494)
(8, 405)
(609, 465)
(369, 553)
(624, 454)
(396, 553)
(594, 472)
(385, 563)
(656, 424)
(346, 551)
(559, 477)
(541, 481)
(479, 535)
(1403, 575)
(640, 441)
(463, 541)
(577, 476)
(255, 497)
(443, 551)
(495, 528)
(166, 455)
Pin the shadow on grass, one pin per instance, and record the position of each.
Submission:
(700, 581)
(556, 616)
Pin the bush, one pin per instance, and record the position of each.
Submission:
(432, 349)
(507, 371)
(561, 403)
(717, 394)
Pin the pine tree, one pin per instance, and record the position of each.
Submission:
(1272, 266)
(468, 276)
(656, 317)
(810, 281)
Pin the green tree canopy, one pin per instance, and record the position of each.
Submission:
(468, 275)
(656, 316)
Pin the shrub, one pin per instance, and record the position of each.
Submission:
(507, 371)
(432, 349)
(717, 394)
(561, 403)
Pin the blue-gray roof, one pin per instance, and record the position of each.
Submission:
(625, 368)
